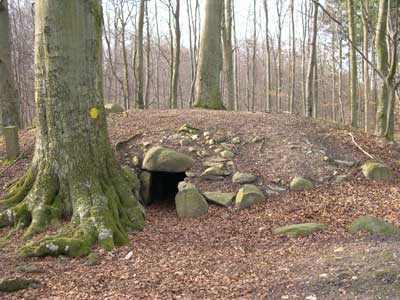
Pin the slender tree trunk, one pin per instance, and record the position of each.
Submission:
(268, 59)
(353, 64)
(228, 54)
(177, 58)
(139, 58)
(148, 59)
(253, 60)
(367, 80)
(74, 173)
(208, 93)
(333, 76)
(340, 83)
(293, 65)
(9, 102)
(311, 64)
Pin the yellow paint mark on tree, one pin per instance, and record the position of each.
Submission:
(94, 113)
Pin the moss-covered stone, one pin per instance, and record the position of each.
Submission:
(217, 170)
(227, 154)
(248, 195)
(16, 284)
(376, 171)
(187, 129)
(223, 199)
(93, 259)
(113, 108)
(29, 269)
(298, 230)
(160, 159)
(190, 203)
(145, 178)
(300, 184)
(373, 225)
(243, 178)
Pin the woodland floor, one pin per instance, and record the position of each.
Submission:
(229, 254)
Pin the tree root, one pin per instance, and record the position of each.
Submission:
(101, 207)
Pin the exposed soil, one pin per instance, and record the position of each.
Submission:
(229, 254)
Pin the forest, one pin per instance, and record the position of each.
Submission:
(187, 149)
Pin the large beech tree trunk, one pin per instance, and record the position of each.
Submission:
(74, 173)
(208, 92)
(9, 103)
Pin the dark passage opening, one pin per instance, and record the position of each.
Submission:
(164, 187)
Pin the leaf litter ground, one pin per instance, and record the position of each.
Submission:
(234, 255)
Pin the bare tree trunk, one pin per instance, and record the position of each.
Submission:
(228, 54)
(177, 58)
(293, 67)
(208, 94)
(139, 57)
(268, 59)
(148, 59)
(253, 60)
(333, 76)
(367, 80)
(353, 65)
(312, 63)
(9, 103)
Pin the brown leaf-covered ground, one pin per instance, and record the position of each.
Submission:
(229, 254)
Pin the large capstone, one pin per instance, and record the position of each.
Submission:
(160, 159)
(190, 203)
(248, 195)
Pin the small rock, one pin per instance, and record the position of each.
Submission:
(113, 108)
(297, 230)
(190, 174)
(338, 250)
(342, 178)
(195, 137)
(217, 170)
(186, 128)
(236, 140)
(192, 149)
(202, 153)
(218, 150)
(376, 171)
(93, 259)
(300, 184)
(227, 154)
(344, 163)
(129, 255)
(248, 195)
(373, 225)
(323, 275)
(224, 199)
(185, 185)
(257, 139)
(10, 285)
(206, 134)
(190, 203)
(136, 161)
(243, 178)
(145, 178)
(27, 269)
(311, 298)
(211, 142)
(212, 177)
(184, 142)
(146, 144)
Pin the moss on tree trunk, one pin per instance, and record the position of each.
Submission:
(74, 173)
